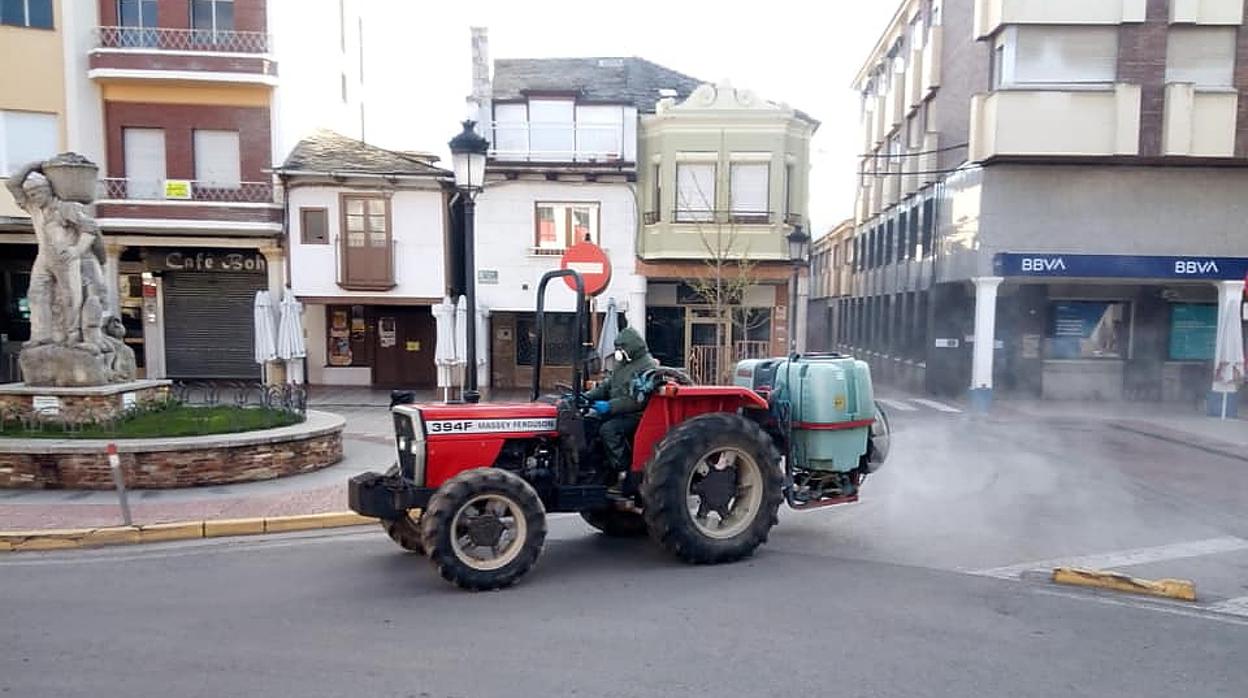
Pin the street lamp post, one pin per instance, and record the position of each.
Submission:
(799, 248)
(468, 151)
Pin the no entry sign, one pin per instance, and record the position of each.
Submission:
(591, 262)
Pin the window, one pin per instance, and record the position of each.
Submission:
(367, 259)
(511, 129)
(1204, 56)
(559, 338)
(561, 225)
(210, 18)
(749, 186)
(26, 13)
(788, 190)
(656, 194)
(1045, 55)
(695, 191)
(145, 162)
(138, 17)
(929, 226)
(552, 133)
(1088, 330)
(26, 136)
(217, 159)
(347, 330)
(1193, 331)
(599, 132)
(314, 226)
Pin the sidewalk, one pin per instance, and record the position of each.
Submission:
(1168, 422)
(365, 447)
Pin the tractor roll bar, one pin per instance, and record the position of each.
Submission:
(540, 344)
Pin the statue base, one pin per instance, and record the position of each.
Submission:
(56, 365)
(78, 405)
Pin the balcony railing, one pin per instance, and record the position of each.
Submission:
(159, 39)
(185, 190)
(558, 142)
(695, 215)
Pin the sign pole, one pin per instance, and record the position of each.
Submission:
(119, 481)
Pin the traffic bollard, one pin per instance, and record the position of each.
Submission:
(119, 480)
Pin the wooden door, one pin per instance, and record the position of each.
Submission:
(404, 348)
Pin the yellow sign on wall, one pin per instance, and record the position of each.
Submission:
(177, 189)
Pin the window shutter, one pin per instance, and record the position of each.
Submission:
(695, 191)
(145, 162)
(26, 137)
(750, 187)
(1204, 56)
(217, 159)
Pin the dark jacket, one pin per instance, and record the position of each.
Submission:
(616, 388)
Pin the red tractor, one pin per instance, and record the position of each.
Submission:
(710, 465)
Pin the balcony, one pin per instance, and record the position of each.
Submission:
(697, 216)
(188, 206)
(1199, 123)
(114, 189)
(990, 15)
(534, 142)
(182, 54)
(1055, 122)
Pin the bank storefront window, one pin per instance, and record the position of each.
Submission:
(1193, 331)
(1088, 330)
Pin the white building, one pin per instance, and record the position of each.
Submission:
(562, 167)
(367, 231)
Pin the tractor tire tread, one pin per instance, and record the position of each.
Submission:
(663, 491)
(452, 495)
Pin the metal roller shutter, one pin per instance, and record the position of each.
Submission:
(209, 329)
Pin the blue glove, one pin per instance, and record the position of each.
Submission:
(602, 407)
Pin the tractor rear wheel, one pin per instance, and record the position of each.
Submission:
(484, 528)
(616, 523)
(404, 530)
(713, 489)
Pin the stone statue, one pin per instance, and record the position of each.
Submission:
(67, 293)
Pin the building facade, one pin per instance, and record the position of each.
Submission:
(723, 178)
(562, 168)
(181, 105)
(368, 230)
(830, 282)
(1051, 197)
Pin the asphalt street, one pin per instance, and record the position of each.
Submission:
(923, 589)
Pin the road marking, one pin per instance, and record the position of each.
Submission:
(1155, 605)
(1123, 558)
(1236, 607)
(897, 405)
(942, 407)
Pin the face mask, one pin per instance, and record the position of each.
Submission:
(620, 356)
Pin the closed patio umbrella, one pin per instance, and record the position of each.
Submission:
(1228, 357)
(265, 332)
(483, 347)
(606, 338)
(290, 345)
(444, 352)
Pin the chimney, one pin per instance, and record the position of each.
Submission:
(480, 64)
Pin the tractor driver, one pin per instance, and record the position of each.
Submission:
(613, 400)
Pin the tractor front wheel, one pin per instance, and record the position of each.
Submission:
(484, 529)
(713, 489)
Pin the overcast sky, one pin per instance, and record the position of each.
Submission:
(419, 63)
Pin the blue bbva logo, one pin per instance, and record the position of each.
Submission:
(1044, 264)
(1195, 267)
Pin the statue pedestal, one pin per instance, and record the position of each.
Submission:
(78, 405)
(62, 366)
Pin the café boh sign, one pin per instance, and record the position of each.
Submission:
(223, 261)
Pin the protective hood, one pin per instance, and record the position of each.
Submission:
(631, 342)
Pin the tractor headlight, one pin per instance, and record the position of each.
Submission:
(879, 441)
(409, 440)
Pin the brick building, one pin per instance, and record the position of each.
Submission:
(1051, 197)
(187, 106)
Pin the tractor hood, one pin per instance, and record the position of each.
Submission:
(488, 418)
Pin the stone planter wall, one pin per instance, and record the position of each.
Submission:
(167, 463)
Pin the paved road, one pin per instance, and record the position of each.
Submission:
(922, 590)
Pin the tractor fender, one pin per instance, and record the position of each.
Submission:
(674, 404)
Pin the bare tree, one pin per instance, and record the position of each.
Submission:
(729, 273)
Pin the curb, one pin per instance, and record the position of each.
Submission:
(1179, 589)
(1217, 448)
(73, 538)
